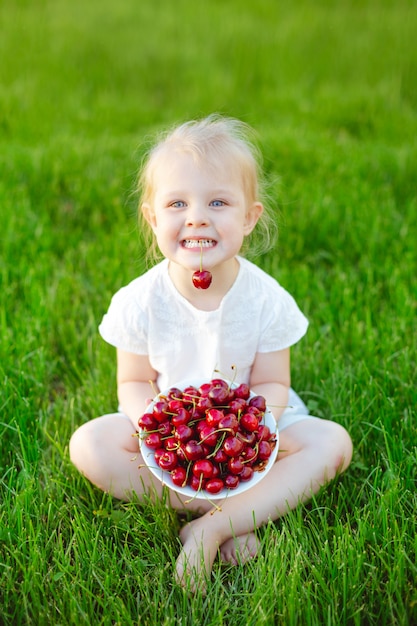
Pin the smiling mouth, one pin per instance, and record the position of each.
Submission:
(198, 243)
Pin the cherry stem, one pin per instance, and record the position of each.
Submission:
(201, 256)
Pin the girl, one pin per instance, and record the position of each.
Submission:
(200, 196)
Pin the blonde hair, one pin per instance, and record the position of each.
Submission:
(212, 140)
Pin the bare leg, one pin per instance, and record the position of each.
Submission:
(106, 451)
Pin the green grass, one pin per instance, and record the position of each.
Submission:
(331, 89)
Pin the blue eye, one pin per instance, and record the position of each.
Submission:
(217, 203)
(178, 204)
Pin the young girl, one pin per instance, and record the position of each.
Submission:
(200, 196)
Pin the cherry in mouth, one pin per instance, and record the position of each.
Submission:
(202, 278)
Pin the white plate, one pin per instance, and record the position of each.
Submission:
(164, 476)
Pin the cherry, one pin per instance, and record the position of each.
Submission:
(232, 446)
(250, 422)
(237, 405)
(147, 422)
(193, 450)
(168, 460)
(213, 416)
(183, 433)
(263, 433)
(202, 278)
(209, 435)
(197, 483)
(174, 394)
(182, 416)
(264, 451)
(258, 402)
(214, 485)
(229, 422)
(203, 468)
(179, 476)
(235, 465)
(246, 473)
(220, 456)
(249, 454)
(160, 410)
(204, 404)
(231, 481)
(164, 428)
(242, 391)
(219, 395)
(153, 440)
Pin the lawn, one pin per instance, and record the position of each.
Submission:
(331, 89)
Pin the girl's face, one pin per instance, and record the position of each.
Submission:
(196, 207)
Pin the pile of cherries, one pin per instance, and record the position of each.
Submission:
(208, 438)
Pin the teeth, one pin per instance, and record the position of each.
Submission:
(198, 243)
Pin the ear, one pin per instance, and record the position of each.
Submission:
(253, 214)
(149, 214)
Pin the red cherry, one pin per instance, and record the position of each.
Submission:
(158, 453)
(193, 450)
(229, 422)
(213, 416)
(249, 421)
(153, 440)
(147, 422)
(183, 433)
(232, 446)
(237, 405)
(202, 279)
(203, 467)
(160, 410)
(171, 443)
(246, 473)
(174, 394)
(208, 435)
(242, 391)
(168, 460)
(235, 465)
(249, 454)
(197, 483)
(220, 456)
(264, 451)
(175, 405)
(219, 395)
(179, 476)
(231, 481)
(264, 433)
(247, 438)
(182, 416)
(165, 428)
(258, 402)
(214, 485)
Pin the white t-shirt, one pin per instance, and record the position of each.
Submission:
(150, 317)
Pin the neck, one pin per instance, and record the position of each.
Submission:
(205, 299)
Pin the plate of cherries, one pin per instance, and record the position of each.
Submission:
(208, 439)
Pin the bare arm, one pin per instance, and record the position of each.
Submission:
(135, 383)
(270, 377)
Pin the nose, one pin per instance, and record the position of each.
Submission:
(197, 216)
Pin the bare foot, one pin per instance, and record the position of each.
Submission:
(196, 558)
(239, 550)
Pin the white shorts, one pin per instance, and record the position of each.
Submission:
(295, 412)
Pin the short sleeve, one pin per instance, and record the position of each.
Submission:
(283, 323)
(125, 323)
